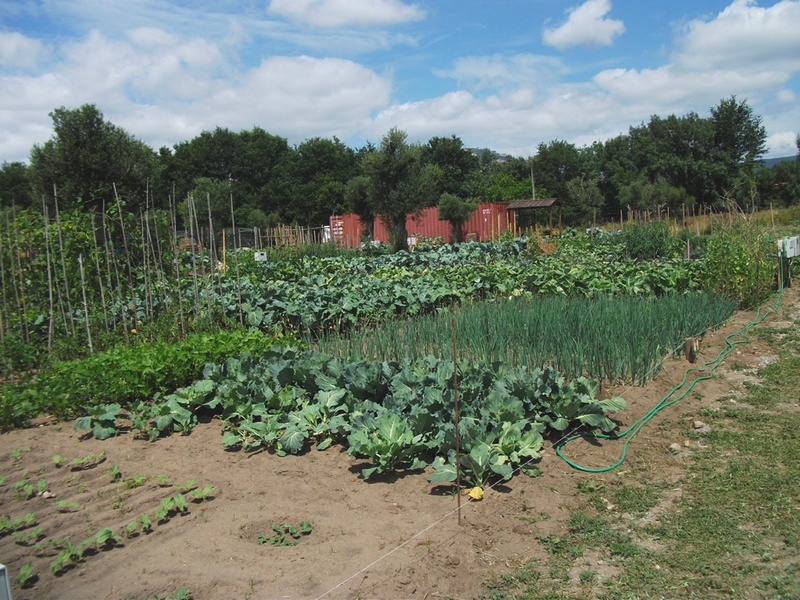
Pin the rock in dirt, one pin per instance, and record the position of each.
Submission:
(675, 448)
(698, 424)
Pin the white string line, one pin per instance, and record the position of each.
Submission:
(491, 487)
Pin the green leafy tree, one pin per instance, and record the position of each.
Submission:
(457, 164)
(318, 172)
(399, 183)
(15, 185)
(206, 191)
(254, 163)
(584, 195)
(358, 199)
(457, 211)
(86, 157)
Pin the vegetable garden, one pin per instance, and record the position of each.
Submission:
(132, 334)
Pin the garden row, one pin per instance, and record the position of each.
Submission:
(397, 414)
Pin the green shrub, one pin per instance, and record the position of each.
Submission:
(124, 375)
(648, 241)
(740, 262)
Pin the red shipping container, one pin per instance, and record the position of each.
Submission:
(488, 222)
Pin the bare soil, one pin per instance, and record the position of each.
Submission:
(396, 537)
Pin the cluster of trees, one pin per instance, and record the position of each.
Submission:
(258, 179)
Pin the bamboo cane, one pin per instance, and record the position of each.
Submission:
(85, 306)
(190, 205)
(203, 273)
(99, 273)
(20, 292)
(51, 316)
(124, 236)
(63, 261)
(236, 261)
(174, 218)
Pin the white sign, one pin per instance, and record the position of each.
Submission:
(789, 247)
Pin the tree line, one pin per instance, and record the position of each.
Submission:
(259, 180)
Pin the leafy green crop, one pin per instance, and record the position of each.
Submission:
(285, 534)
(396, 414)
(607, 337)
(120, 378)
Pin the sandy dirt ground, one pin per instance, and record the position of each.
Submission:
(396, 537)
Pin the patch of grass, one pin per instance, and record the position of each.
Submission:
(635, 500)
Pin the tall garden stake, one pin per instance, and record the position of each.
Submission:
(49, 279)
(99, 272)
(85, 306)
(174, 236)
(63, 261)
(455, 405)
(236, 260)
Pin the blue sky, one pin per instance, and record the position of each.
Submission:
(506, 74)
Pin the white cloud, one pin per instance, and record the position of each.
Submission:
(782, 143)
(585, 26)
(518, 101)
(344, 13)
(165, 89)
(744, 37)
(497, 71)
(16, 50)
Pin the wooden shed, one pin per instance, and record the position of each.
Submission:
(525, 213)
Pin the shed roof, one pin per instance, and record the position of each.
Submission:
(537, 203)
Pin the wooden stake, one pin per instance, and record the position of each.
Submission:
(236, 261)
(63, 262)
(455, 409)
(175, 261)
(85, 306)
(99, 272)
(19, 292)
(124, 237)
(190, 207)
(49, 279)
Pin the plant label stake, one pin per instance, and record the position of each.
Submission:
(455, 406)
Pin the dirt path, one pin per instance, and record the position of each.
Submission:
(392, 538)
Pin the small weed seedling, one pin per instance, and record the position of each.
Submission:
(28, 537)
(17, 453)
(58, 460)
(187, 487)
(87, 462)
(282, 531)
(170, 506)
(205, 493)
(114, 473)
(147, 525)
(7, 525)
(23, 488)
(25, 576)
(136, 481)
(67, 506)
(68, 555)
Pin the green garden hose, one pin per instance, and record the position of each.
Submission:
(630, 433)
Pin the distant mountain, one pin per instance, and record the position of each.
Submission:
(771, 162)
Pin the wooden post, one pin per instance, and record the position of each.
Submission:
(85, 306)
(455, 411)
